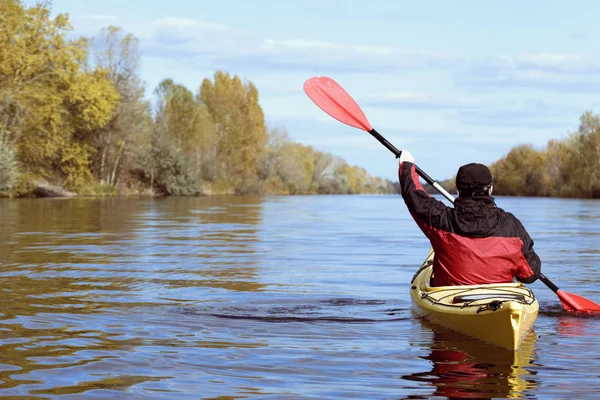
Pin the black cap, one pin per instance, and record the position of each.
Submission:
(473, 176)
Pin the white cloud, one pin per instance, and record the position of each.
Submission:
(542, 81)
(216, 46)
(550, 62)
(424, 101)
(507, 113)
(201, 45)
(298, 45)
(558, 72)
(101, 17)
(532, 114)
(186, 24)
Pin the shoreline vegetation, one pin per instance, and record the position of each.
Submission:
(74, 121)
(567, 168)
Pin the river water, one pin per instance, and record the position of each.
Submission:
(270, 298)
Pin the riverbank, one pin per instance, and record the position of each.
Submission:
(44, 189)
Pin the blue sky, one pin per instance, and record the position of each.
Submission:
(451, 81)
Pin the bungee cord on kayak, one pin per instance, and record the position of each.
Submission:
(468, 297)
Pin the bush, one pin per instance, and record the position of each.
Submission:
(166, 169)
(9, 168)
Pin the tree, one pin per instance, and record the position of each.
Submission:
(270, 163)
(322, 164)
(521, 173)
(554, 167)
(9, 171)
(118, 54)
(584, 157)
(166, 169)
(189, 125)
(50, 99)
(239, 124)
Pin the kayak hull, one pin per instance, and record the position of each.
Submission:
(500, 314)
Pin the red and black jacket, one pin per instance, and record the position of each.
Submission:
(475, 242)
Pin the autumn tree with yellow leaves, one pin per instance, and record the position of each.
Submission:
(566, 168)
(73, 113)
(51, 100)
(241, 133)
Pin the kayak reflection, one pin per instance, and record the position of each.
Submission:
(467, 368)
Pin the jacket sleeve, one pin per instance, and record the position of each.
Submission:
(428, 213)
(530, 272)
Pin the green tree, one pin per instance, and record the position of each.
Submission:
(165, 168)
(173, 162)
(189, 126)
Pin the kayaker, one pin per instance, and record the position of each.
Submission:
(475, 242)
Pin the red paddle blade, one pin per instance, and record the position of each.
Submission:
(572, 302)
(335, 101)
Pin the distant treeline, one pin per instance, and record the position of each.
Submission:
(563, 168)
(73, 114)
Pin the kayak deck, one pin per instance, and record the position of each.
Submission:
(500, 314)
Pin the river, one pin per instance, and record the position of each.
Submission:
(269, 297)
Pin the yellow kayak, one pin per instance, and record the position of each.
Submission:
(500, 314)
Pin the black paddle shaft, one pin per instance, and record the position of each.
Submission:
(548, 283)
(398, 153)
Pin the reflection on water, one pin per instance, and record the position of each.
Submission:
(462, 367)
(274, 297)
(66, 260)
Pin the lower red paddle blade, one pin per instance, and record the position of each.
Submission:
(573, 302)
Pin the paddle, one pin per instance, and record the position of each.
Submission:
(335, 101)
(570, 301)
(329, 96)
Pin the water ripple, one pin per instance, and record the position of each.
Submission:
(274, 297)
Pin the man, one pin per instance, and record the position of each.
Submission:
(475, 242)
